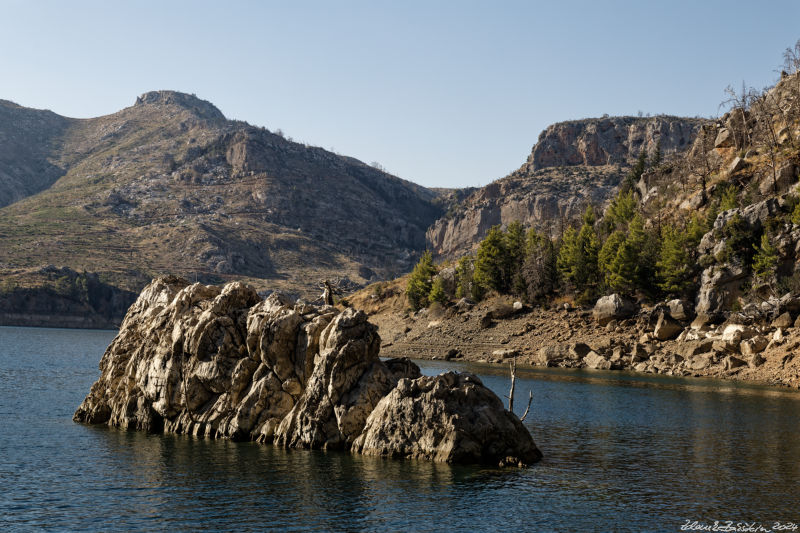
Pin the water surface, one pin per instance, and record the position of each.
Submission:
(622, 453)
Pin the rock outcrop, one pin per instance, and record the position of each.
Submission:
(223, 363)
(451, 418)
(573, 164)
(610, 140)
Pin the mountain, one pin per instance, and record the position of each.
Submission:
(573, 164)
(29, 142)
(169, 185)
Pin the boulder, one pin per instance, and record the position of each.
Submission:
(552, 355)
(451, 353)
(638, 353)
(691, 348)
(783, 321)
(596, 361)
(719, 286)
(578, 350)
(732, 362)
(753, 346)
(735, 333)
(724, 139)
(449, 418)
(699, 361)
(785, 177)
(680, 310)
(736, 165)
(666, 328)
(222, 363)
(612, 307)
(505, 353)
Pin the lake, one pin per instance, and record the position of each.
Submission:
(622, 452)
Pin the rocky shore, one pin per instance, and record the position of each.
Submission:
(667, 338)
(223, 363)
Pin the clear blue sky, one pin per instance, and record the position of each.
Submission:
(441, 93)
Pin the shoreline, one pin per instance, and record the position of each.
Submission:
(493, 332)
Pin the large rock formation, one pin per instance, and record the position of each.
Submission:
(223, 363)
(573, 164)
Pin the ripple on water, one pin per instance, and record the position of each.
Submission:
(622, 452)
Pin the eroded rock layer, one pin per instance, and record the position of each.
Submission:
(221, 362)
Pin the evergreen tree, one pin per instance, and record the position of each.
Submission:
(420, 281)
(674, 269)
(695, 230)
(626, 259)
(635, 172)
(464, 270)
(766, 258)
(728, 199)
(577, 257)
(621, 210)
(539, 271)
(655, 159)
(608, 254)
(437, 293)
(795, 217)
(515, 256)
(490, 264)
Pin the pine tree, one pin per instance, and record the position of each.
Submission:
(635, 172)
(539, 271)
(464, 270)
(437, 293)
(655, 159)
(420, 281)
(766, 258)
(621, 210)
(490, 264)
(515, 256)
(577, 258)
(608, 254)
(728, 199)
(626, 259)
(695, 230)
(674, 269)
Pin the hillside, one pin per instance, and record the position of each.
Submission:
(573, 164)
(692, 268)
(169, 185)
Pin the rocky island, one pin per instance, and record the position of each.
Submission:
(225, 363)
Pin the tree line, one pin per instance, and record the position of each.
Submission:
(616, 252)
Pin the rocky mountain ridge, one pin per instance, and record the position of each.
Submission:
(169, 185)
(573, 164)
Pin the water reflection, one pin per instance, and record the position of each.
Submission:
(622, 452)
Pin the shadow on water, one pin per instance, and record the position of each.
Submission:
(622, 452)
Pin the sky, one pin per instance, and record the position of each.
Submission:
(445, 94)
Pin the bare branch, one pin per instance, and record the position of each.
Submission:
(528, 408)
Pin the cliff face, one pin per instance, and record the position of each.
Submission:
(61, 298)
(169, 185)
(572, 165)
(610, 141)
